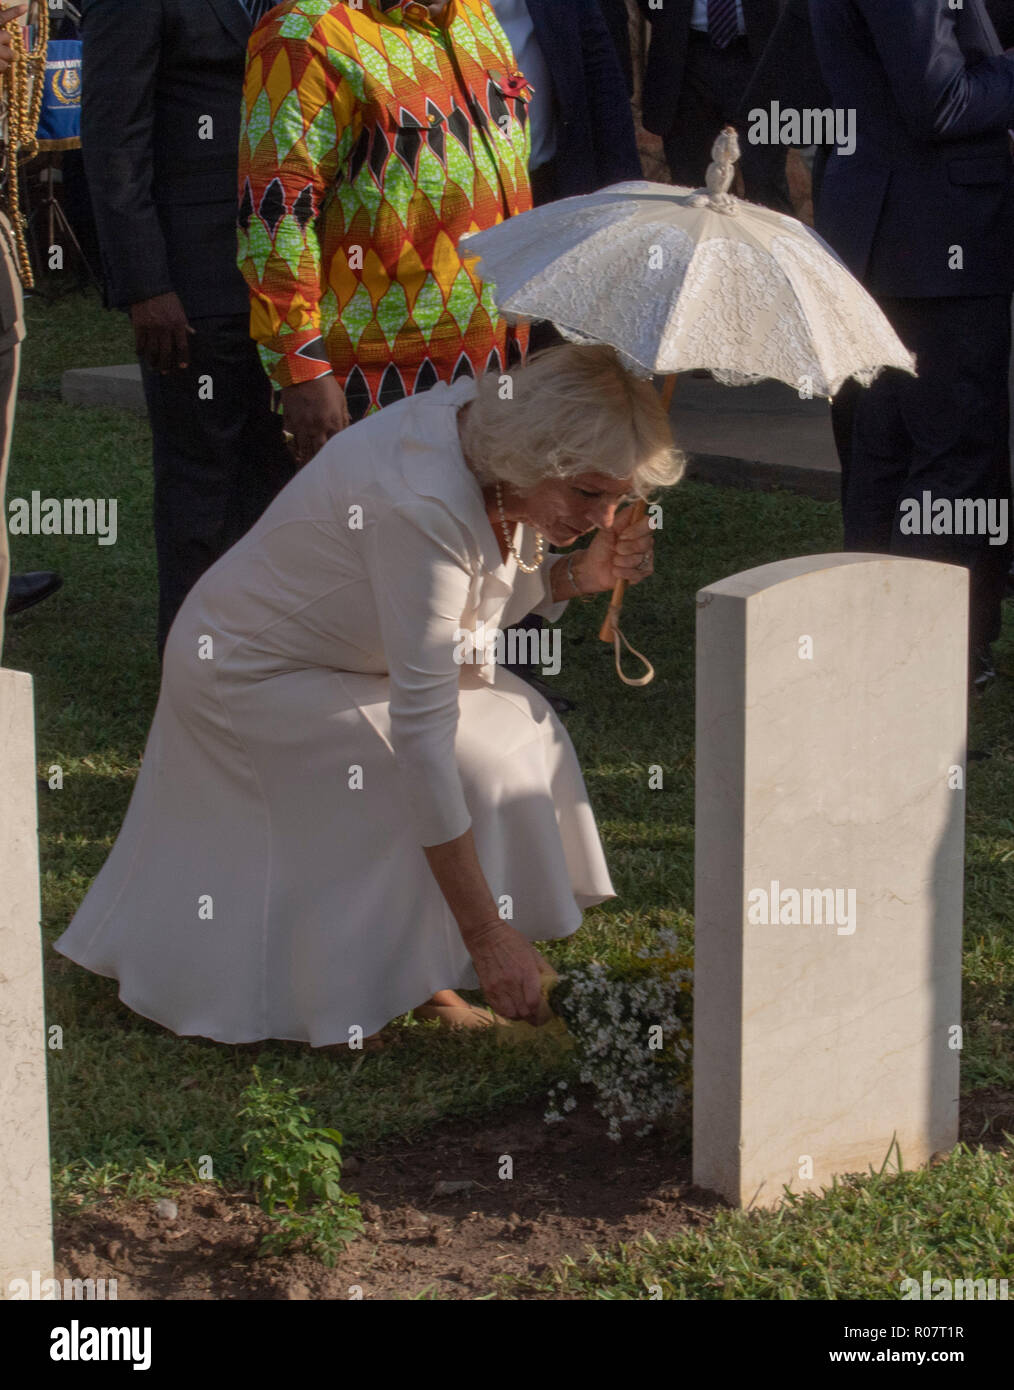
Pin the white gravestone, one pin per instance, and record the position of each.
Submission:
(26, 1238)
(830, 803)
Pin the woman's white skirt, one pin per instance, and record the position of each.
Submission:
(268, 880)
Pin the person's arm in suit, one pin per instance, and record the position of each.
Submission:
(122, 45)
(939, 95)
(1001, 12)
(612, 131)
(617, 19)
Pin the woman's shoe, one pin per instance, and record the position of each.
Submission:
(456, 1015)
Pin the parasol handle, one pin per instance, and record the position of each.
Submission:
(610, 628)
(615, 608)
(611, 631)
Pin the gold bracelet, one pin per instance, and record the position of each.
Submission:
(578, 591)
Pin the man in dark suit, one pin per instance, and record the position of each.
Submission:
(700, 60)
(582, 129)
(923, 213)
(789, 74)
(161, 88)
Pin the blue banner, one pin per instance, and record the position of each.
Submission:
(60, 115)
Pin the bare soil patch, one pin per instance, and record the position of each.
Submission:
(572, 1189)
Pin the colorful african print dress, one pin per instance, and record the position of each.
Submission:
(373, 138)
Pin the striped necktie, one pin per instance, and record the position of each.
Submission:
(723, 22)
(257, 9)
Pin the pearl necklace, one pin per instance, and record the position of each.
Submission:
(540, 540)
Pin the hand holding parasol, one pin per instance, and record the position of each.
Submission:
(678, 279)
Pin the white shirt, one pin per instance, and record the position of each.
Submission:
(699, 18)
(516, 23)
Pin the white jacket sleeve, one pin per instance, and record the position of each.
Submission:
(418, 565)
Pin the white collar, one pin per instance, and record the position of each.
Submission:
(434, 466)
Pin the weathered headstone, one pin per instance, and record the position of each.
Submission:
(26, 1239)
(831, 717)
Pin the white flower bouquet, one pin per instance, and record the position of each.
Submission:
(630, 1028)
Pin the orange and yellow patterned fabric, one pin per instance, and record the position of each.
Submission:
(373, 137)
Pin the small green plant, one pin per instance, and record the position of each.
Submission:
(296, 1172)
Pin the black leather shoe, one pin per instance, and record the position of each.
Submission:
(26, 590)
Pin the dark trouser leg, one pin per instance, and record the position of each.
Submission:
(218, 461)
(843, 414)
(525, 667)
(714, 82)
(530, 670)
(544, 183)
(946, 433)
(543, 335)
(544, 190)
(876, 455)
(765, 178)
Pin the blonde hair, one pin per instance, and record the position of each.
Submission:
(572, 409)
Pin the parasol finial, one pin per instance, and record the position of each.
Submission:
(721, 172)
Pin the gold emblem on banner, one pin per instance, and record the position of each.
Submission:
(67, 86)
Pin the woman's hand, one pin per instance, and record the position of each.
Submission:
(510, 971)
(625, 551)
(509, 968)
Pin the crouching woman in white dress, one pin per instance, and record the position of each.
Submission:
(333, 806)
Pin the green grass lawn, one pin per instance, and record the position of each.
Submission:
(858, 1241)
(121, 1120)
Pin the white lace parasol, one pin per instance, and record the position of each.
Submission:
(677, 279)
